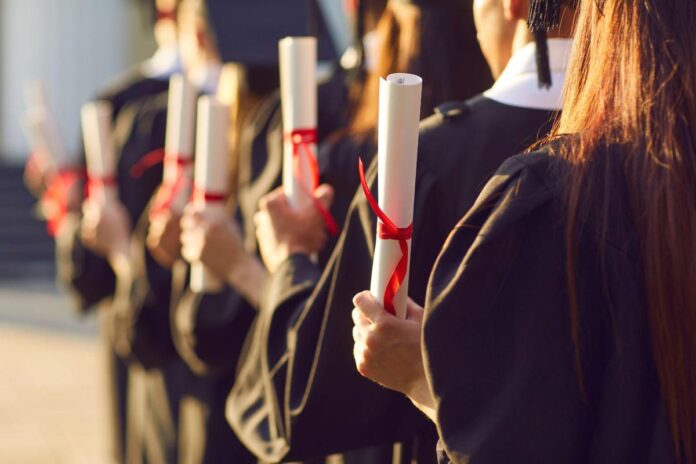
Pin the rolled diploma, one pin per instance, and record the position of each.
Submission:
(99, 147)
(210, 175)
(298, 94)
(181, 119)
(35, 94)
(399, 115)
(45, 138)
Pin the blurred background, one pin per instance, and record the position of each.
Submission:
(52, 408)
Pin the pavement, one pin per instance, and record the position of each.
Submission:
(53, 404)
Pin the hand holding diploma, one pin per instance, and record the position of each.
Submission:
(282, 231)
(211, 180)
(298, 92)
(399, 115)
(387, 349)
(105, 224)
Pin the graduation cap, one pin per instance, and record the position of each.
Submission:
(544, 15)
(247, 31)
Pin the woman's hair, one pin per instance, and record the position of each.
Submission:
(436, 42)
(630, 90)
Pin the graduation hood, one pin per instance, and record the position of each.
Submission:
(247, 31)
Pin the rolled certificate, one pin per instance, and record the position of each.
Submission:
(178, 146)
(399, 115)
(298, 93)
(45, 138)
(210, 182)
(99, 150)
(35, 94)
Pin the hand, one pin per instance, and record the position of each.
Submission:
(164, 237)
(387, 349)
(105, 228)
(213, 239)
(282, 231)
(37, 174)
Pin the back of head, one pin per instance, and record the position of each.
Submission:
(631, 89)
(434, 39)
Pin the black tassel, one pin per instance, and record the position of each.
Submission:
(542, 59)
(544, 14)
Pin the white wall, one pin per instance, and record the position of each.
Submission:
(74, 46)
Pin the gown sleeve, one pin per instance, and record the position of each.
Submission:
(299, 375)
(497, 335)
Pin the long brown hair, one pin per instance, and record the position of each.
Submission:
(631, 88)
(436, 42)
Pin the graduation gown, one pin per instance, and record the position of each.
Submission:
(210, 329)
(497, 332)
(298, 394)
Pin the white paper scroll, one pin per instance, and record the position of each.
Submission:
(45, 138)
(211, 176)
(41, 128)
(179, 142)
(99, 150)
(298, 94)
(399, 115)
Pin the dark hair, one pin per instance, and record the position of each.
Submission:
(631, 87)
(436, 42)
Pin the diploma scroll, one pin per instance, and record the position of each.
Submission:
(399, 115)
(99, 151)
(298, 93)
(211, 176)
(178, 146)
(45, 138)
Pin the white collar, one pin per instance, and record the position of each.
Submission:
(165, 62)
(518, 85)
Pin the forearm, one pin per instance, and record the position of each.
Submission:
(248, 277)
(422, 398)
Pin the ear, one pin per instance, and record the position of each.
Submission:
(515, 10)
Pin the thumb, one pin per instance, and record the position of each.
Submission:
(369, 307)
(325, 194)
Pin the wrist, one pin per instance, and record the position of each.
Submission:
(248, 276)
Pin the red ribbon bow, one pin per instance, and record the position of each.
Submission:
(387, 230)
(302, 141)
(55, 198)
(170, 189)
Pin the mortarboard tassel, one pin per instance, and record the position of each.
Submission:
(543, 15)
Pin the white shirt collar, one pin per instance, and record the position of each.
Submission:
(165, 62)
(518, 85)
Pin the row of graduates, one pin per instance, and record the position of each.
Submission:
(525, 351)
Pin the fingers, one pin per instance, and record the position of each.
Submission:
(414, 312)
(325, 194)
(273, 199)
(368, 307)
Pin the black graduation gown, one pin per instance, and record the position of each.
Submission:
(87, 276)
(497, 333)
(210, 329)
(298, 394)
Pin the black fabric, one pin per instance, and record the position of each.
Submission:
(299, 374)
(497, 335)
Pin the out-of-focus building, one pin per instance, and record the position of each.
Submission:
(74, 47)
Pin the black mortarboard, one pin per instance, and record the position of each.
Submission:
(544, 15)
(247, 31)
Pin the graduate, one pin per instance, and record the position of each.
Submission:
(559, 320)
(305, 366)
(408, 37)
(80, 268)
(209, 328)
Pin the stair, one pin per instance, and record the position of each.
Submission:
(26, 249)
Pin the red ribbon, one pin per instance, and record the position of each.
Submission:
(95, 183)
(170, 189)
(208, 196)
(302, 141)
(387, 230)
(146, 162)
(55, 198)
